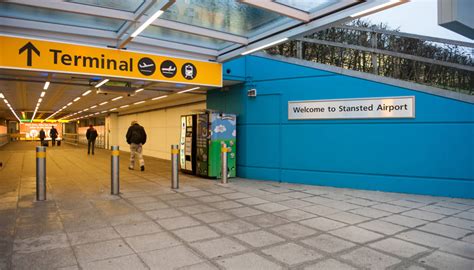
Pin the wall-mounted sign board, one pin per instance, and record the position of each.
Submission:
(49, 56)
(355, 108)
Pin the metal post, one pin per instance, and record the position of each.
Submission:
(224, 151)
(115, 183)
(174, 166)
(40, 173)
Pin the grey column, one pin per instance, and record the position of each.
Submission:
(40, 173)
(174, 166)
(224, 151)
(115, 181)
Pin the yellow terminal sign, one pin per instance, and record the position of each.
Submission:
(32, 54)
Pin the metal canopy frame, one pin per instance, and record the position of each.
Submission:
(298, 24)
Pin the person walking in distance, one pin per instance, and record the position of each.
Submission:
(136, 137)
(53, 133)
(42, 135)
(91, 135)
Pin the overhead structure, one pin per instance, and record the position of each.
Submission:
(216, 30)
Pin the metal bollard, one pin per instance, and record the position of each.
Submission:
(40, 173)
(174, 166)
(224, 151)
(115, 182)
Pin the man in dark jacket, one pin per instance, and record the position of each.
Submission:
(42, 135)
(53, 133)
(91, 135)
(136, 137)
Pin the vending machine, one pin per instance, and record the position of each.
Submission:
(201, 141)
(187, 147)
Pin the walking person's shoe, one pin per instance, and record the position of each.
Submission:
(142, 168)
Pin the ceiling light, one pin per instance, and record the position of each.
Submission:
(101, 83)
(113, 109)
(64, 107)
(146, 23)
(86, 110)
(86, 93)
(139, 102)
(124, 106)
(69, 104)
(117, 98)
(39, 100)
(5, 100)
(264, 46)
(79, 111)
(76, 99)
(92, 107)
(42, 94)
(159, 97)
(375, 9)
(103, 111)
(1, 95)
(189, 90)
(103, 103)
(46, 85)
(139, 90)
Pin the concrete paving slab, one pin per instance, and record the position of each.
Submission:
(170, 258)
(398, 247)
(133, 229)
(101, 250)
(328, 243)
(248, 261)
(218, 247)
(150, 242)
(196, 233)
(329, 264)
(120, 263)
(443, 260)
(370, 259)
(292, 254)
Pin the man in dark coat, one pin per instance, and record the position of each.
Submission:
(53, 133)
(91, 135)
(42, 135)
(136, 137)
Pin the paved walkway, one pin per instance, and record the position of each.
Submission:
(205, 225)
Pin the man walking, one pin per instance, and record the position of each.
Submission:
(136, 137)
(42, 135)
(53, 133)
(91, 135)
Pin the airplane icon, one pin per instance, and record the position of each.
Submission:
(145, 65)
(170, 69)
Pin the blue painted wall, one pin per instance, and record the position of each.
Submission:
(432, 154)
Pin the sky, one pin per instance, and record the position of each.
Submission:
(416, 17)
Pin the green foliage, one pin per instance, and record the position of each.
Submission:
(389, 66)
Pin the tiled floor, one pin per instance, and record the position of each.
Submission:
(204, 225)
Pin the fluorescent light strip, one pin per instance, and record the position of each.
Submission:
(103, 103)
(42, 94)
(139, 102)
(117, 98)
(1, 95)
(146, 23)
(101, 83)
(139, 90)
(76, 99)
(265, 46)
(46, 85)
(370, 10)
(156, 98)
(188, 90)
(69, 104)
(113, 109)
(39, 100)
(86, 93)
(124, 106)
(92, 107)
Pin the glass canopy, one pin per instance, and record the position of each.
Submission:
(207, 29)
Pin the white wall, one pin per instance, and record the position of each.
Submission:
(162, 127)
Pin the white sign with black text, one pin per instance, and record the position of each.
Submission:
(354, 108)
